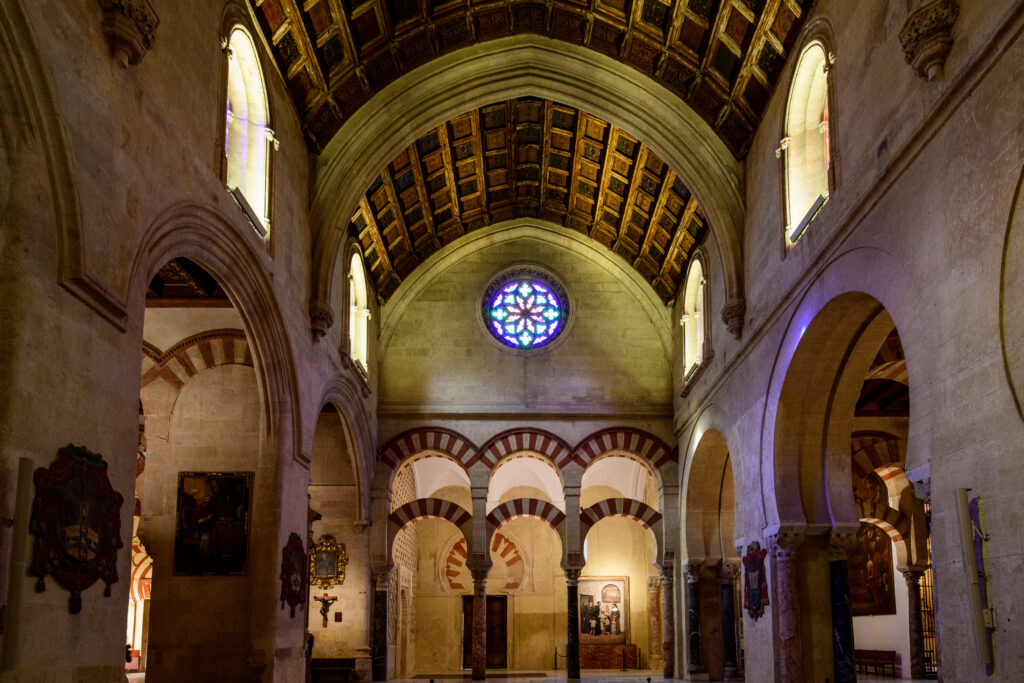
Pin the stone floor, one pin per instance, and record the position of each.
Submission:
(588, 676)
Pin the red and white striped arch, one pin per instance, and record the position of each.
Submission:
(436, 439)
(873, 451)
(637, 442)
(618, 507)
(525, 439)
(525, 507)
(430, 507)
(193, 354)
(889, 520)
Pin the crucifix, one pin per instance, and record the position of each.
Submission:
(325, 604)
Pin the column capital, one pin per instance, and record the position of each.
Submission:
(653, 584)
(784, 545)
(572, 575)
(667, 577)
(839, 544)
(479, 574)
(912, 576)
(729, 572)
(382, 577)
(691, 570)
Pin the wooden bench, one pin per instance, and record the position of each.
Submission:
(880, 662)
(333, 670)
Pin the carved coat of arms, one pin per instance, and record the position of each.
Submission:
(293, 574)
(76, 520)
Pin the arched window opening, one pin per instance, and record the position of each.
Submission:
(805, 145)
(692, 322)
(248, 137)
(359, 314)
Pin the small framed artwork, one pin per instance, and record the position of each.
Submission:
(871, 576)
(327, 562)
(604, 609)
(212, 528)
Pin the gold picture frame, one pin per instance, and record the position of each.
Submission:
(327, 561)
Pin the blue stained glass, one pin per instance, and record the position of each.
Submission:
(525, 314)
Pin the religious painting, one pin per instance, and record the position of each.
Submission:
(327, 562)
(604, 610)
(293, 574)
(76, 521)
(871, 576)
(212, 530)
(755, 581)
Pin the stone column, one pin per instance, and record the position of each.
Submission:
(729, 572)
(694, 645)
(844, 670)
(654, 618)
(479, 623)
(572, 654)
(913, 579)
(379, 642)
(784, 549)
(667, 624)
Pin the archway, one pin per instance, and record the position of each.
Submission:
(198, 477)
(713, 623)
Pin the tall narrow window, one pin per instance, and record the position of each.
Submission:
(358, 315)
(805, 145)
(248, 137)
(693, 320)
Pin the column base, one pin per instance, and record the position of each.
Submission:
(697, 676)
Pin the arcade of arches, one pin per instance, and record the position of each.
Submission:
(442, 339)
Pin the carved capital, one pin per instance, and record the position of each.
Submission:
(913, 579)
(732, 315)
(927, 36)
(729, 572)
(839, 545)
(572, 575)
(691, 570)
(382, 577)
(653, 584)
(130, 28)
(784, 546)
(321, 317)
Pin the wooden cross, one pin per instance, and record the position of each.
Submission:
(325, 604)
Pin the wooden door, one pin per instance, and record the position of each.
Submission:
(496, 629)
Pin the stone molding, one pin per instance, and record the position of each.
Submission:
(321, 318)
(130, 28)
(733, 313)
(927, 37)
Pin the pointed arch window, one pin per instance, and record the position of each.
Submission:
(806, 147)
(359, 314)
(248, 139)
(694, 331)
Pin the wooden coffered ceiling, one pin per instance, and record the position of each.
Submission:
(723, 57)
(535, 158)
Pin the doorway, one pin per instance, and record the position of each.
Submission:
(497, 631)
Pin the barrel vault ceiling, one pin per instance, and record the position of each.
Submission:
(722, 57)
(528, 157)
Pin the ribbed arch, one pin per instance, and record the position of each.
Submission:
(415, 441)
(430, 507)
(650, 448)
(193, 354)
(525, 507)
(525, 439)
(619, 507)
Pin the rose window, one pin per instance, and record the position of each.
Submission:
(524, 312)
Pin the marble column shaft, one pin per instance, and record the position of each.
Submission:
(694, 644)
(844, 669)
(572, 654)
(913, 579)
(479, 652)
(787, 600)
(730, 652)
(654, 618)
(667, 624)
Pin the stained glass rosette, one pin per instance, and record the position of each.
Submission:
(525, 314)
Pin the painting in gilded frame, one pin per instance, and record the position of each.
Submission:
(604, 610)
(871, 576)
(212, 528)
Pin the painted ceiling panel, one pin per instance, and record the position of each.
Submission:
(722, 57)
(528, 158)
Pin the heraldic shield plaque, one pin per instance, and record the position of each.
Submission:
(76, 521)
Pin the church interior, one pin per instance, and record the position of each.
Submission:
(359, 340)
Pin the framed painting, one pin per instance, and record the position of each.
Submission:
(604, 610)
(212, 528)
(871, 575)
(327, 561)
